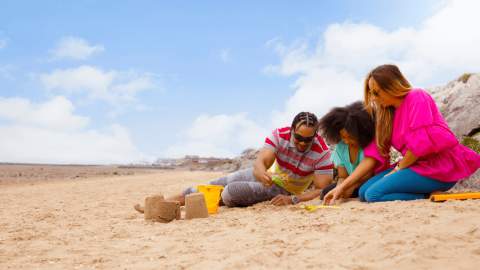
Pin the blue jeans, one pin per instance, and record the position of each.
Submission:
(403, 185)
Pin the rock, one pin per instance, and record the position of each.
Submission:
(459, 103)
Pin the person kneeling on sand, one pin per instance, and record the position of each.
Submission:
(408, 120)
(302, 159)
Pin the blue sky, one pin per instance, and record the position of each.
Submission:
(126, 81)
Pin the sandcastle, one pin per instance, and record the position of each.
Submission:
(195, 206)
(160, 210)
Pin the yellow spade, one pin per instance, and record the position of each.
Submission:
(312, 207)
(212, 196)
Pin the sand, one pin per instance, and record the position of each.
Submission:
(91, 224)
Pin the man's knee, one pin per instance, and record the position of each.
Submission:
(238, 194)
(227, 197)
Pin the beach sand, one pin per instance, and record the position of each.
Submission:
(90, 224)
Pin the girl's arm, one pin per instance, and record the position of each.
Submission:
(358, 176)
(365, 167)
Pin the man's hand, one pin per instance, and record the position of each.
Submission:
(265, 178)
(281, 200)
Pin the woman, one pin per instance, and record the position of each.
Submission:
(408, 119)
(351, 129)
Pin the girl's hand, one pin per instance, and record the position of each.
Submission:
(334, 195)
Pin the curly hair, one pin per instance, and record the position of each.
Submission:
(354, 118)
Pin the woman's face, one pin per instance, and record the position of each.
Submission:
(379, 96)
(347, 138)
(303, 137)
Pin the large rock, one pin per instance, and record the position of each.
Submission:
(459, 103)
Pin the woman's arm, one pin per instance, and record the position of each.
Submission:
(408, 160)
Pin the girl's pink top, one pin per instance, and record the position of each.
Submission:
(419, 127)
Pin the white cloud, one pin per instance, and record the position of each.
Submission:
(50, 132)
(75, 48)
(225, 55)
(331, 72)
(114, 87)
(56, 113)
(219, 136)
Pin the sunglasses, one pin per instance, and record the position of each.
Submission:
(300, 138)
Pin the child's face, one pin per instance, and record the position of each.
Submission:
(347, 139)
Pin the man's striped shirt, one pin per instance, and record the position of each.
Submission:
(299, 166)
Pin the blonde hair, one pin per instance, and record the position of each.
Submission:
(390, 80)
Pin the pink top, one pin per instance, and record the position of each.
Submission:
(419, 127)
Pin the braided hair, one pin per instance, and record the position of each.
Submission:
(305, 118)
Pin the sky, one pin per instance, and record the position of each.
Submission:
(112, 82)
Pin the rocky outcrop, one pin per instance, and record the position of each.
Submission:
(459, 103)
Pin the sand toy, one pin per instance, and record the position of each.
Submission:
(195, 206)
(315, 207)
(441, 197)
(212, 196)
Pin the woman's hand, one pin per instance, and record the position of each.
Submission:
(281, 200)
(334, 195)
(394, 170)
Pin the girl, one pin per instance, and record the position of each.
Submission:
(408, 119)
(352, 129)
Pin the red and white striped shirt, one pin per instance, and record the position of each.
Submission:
(299, 166)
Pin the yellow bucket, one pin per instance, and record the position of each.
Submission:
(212, 196)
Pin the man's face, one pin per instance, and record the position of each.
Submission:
(303, 137)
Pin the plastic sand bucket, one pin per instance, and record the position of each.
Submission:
(212, 196)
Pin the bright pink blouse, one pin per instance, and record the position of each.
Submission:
(419, 127)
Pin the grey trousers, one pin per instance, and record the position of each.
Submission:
(242, 189)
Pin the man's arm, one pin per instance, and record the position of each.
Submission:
(319, 182)
(264, 161)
